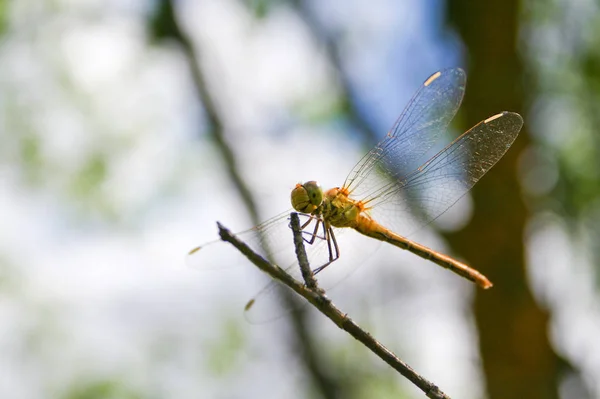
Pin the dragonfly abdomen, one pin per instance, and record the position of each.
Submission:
(371, 228)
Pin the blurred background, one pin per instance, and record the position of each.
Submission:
(128, 128)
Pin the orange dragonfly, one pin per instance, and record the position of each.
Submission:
(399, 186)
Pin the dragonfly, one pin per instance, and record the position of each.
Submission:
(397, 188)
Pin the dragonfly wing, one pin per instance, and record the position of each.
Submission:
(423, 195)
(267, 239)
(267, 304)
(418, 128)
(273, 240)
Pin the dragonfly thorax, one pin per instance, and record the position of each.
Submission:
(338, 210)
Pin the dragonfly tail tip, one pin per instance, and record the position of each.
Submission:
(487, 284)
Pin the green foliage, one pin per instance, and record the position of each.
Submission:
(90, 176)
(379, 386)
(102, 389)
(373, 379)
(4, 15)
(569, 71)
(260, 8)
(223, 354)
(322, 109)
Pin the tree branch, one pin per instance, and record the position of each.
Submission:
(164, 24)
(319, 300)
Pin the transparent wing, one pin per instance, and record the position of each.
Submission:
(271, 239)
(421, 196)
(418, 128)
(267, 305)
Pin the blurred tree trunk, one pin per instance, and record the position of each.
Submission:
(518, 360)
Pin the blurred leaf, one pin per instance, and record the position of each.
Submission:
(260, 8)
(31, 157)
(10, 279)
(4, 16)
(372, 379)
(94, 172)
(322, 108)
(107, 389)
(223, 354)
(377, 386)
(568, 69)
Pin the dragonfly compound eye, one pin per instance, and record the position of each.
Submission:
(307, 197)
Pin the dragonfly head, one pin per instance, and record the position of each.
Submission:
(307, 197)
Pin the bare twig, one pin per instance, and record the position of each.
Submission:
(164, 24)
(320, 301)
(307, 274)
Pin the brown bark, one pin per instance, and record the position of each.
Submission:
(517, 358)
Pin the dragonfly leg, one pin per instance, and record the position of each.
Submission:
(335, 244)
(332, 258)
(314, 233)
(310, 219)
